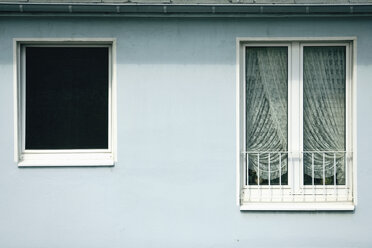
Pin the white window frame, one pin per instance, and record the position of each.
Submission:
(61, 157)
(296, 196)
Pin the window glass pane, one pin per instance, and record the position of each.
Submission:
(324, 80)
(267, 114)
(67, 97)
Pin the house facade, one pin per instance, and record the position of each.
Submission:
(185, 123)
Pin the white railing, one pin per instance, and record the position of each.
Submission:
(299, 176)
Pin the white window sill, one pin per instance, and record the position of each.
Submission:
(66, 159)
(269, 206)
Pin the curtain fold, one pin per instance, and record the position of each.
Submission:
(266, 109)
(324, 80)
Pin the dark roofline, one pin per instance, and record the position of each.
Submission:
(187, 10)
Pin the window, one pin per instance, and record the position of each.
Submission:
(64, 103)
(295, 117)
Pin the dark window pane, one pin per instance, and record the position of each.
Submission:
(67, 97)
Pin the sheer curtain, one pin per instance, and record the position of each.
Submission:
(324, 73)
(266, 108)
(324, 80)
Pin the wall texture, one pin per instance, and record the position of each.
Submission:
(174, 183)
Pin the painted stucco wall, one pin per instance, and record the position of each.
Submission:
(174, 182)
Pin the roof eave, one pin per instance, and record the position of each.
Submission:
(136, 9)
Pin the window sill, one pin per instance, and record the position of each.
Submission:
(269, 206)
(67, 159)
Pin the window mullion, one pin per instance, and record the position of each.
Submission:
(295, 116)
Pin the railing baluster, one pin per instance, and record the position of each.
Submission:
(302, 160)
(280, 176)
(268, 158)
(258, 176)
(293, 175)
(347, 184)
(324, 178)
(258, 169)
(334, 175)
(247, 169)
(312, 174)
(247, 175)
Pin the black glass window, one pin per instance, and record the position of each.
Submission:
(67, 92)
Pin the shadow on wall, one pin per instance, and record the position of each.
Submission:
(182, 40)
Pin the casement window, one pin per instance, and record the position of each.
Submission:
(296, 128)
(64, 102)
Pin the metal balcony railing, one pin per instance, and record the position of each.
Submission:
(298, 176)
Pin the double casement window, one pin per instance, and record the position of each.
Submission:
(64, 103)
(295, 134)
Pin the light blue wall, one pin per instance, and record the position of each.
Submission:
(174, 183)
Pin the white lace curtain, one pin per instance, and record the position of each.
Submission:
(267, 108)
(324, 110)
